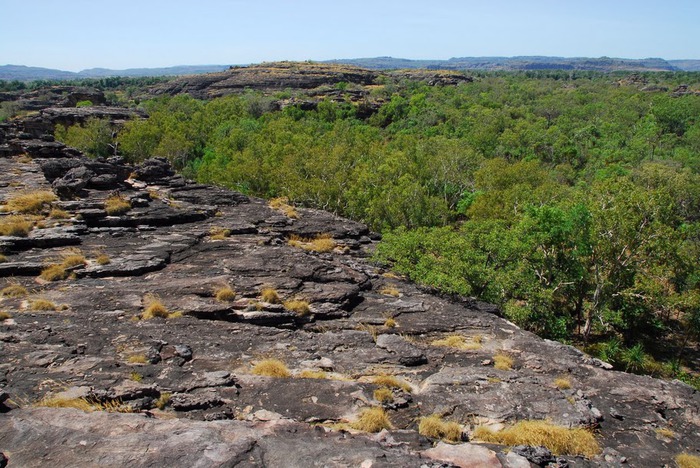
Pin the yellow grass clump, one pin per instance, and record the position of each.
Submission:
(560, 440)
(225, 294)
(298, 306)
(117, 205)
(42, 305)
(502, 361)
(57, 213)
(54, 273)
(282, 205)
(219, 233)
(15, 226)
(3, 258)
(30, 202)
(390, 323)
(434, 427)
(14, 290)
(390, 291)
(457, 342)
(154, 308)
(384, 395)
(4, 316)
(271, 368)
(103, 259)
(270, 296)
(312, 374)
(685, 460)
(137, 359)
(73, 259)
(85, 404)
(562, 383)
(135, 376)
(392, 382)
(321, 243)
(163, 400)
(372, 419)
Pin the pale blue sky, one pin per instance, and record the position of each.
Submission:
(78, 34)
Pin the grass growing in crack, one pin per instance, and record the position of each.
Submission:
(458, 342)
(666, 433)
(163, 400)
(321, 243)
(57, 213)
(116, 205)
(271, 368)
(225, 294)
(270, 296)
(560, 440)
(15, 226)
(391, 382)
(42, 305)
(383, 395)
(73, 259)
(685, 460)
(4, 316)
(135, 376)
(372, 419)
(435, 427)
(137, 359)
(298, 306)
(390, 323)
(85, 404)
(502, 361)
(3, 258)
(562, 383)
(103, 259)
(30, 202)
(14, 290)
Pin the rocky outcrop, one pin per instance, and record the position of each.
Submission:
(186, 376)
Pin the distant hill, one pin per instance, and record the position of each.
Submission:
(603, 64)
(24, 73)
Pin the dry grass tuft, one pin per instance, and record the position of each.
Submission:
(30, 202)
(390, 323)
(57, 213)
(54, 273)
(271, 368)
(392, 382)
(457, 342)
(384, 395)
(562, 383)
(85, 404)
(135, 376)
(312, 374)
(117, 205)
(282, 205)
(137, 359)
(14, 290)
(560, 440)
(298, 306)
(666, 433)
(154, 308)
(372, 419)
(15, 226)
(390, 291)
(434, 427)
(321, 243)
(502, 361)
(73, 259)
(270, 296)
(103, 259)
(225, 294)
(219, 233)
(42, 305)
(3, 258)
(4, 316)
(163, 400)
(685, 460)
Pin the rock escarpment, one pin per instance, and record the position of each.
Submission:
(339, 323)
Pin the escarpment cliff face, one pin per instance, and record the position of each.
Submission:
(153, 338)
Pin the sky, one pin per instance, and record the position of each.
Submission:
(79, 34)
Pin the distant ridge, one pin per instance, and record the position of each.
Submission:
(24, 73)
(601, 64)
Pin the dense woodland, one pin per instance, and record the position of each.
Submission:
(573, 202)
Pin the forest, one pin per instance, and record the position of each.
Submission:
(572, 202)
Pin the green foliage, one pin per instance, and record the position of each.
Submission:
(86, 103)
(93, 138)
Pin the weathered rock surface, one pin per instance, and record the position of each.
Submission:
(189, 377)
